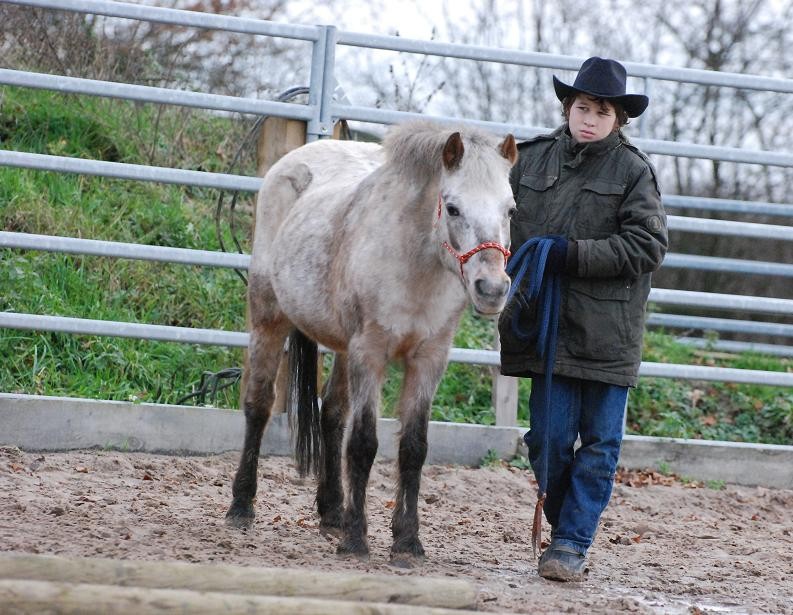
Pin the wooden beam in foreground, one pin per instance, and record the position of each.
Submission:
(35, 597)
(223, 578)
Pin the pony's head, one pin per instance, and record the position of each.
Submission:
(475, 204)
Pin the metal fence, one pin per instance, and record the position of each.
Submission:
(322, 110)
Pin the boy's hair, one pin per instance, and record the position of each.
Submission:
(619, 111)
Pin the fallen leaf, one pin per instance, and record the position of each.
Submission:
(390, 504)
(696, 395)
(620, 540)
(642, 528)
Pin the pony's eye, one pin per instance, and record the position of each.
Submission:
(452, 210)
(512, 211)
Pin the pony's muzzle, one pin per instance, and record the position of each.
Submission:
(490, 294)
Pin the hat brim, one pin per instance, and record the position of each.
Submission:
(634, 104)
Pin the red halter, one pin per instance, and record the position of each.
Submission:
(464, 258)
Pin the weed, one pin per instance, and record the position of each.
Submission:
(491, 460)
(663, 468)
(520, 462)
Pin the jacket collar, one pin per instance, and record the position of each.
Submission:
(574, 153)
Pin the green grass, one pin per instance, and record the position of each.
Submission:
(135, 291)
(710, 410)
(111, 289)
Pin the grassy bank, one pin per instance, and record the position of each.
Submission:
(134, 291)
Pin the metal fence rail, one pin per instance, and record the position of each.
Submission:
(243, 105)
(726, 325)
(116, 249)
(177, 17)
(319, 114)
(150, 94)
(163, 333)
(731, 265)
(123, 170)
(733, 346)
(394, 43)
(70, 245)
(677, 201)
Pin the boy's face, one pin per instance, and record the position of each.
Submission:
(591, 119)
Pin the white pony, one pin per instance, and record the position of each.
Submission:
(373, 252)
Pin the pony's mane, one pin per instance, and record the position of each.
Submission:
(415, 147)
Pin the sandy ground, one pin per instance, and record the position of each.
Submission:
(664, 546)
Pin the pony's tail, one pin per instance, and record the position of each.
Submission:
(302, 403)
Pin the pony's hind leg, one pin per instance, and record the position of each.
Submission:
(265, 350)
(419, 384)
(335, 407)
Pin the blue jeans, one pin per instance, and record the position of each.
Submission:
(580, 482)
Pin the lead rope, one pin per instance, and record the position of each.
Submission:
(544, 289)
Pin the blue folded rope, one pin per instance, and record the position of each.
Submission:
(543, 288)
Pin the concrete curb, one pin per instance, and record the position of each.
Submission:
(38, 423)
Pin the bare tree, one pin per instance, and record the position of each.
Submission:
(731, 37)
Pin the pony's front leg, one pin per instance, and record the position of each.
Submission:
(420, 382)
(365, 380)
(265, 351)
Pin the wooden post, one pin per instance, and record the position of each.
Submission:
(278, 136)
(504, 394)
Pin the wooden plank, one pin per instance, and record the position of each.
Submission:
(227, 579)
(24, 597)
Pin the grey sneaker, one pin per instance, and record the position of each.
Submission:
(562, 563)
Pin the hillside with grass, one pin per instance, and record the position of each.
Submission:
(178, 216)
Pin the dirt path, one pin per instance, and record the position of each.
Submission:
(663, 548)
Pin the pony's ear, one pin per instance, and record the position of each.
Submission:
(508, 149)
(453, 151)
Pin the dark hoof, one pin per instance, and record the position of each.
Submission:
(330, 523)
(353, 550)
(411, 547)
(240, 517)
(330, 529)
(406, 560)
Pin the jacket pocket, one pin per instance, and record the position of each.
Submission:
(596, 318)
(600, 202)
(533, 197)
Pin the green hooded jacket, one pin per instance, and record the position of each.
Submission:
(604, 196)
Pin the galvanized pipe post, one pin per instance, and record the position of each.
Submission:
(323, 59)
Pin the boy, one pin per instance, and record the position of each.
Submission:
(596, 196)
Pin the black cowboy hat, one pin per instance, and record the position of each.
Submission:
(604, 79)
